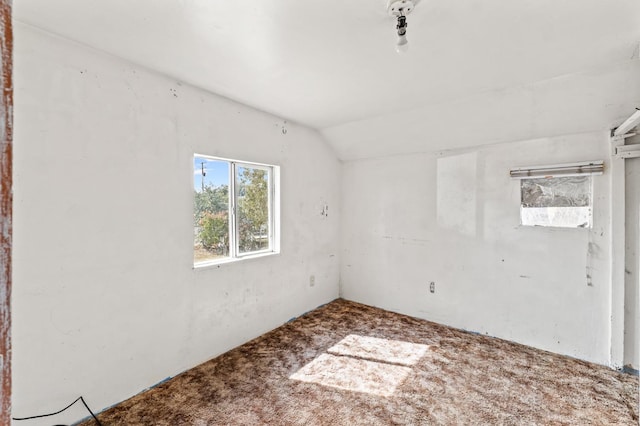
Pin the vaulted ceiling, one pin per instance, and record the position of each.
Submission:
(476, 71)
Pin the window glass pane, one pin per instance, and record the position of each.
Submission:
(558, 201)
(211, 209)
(252, 186)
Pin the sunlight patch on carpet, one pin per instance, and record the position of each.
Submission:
(385, 350)
(363, 364)
(353, 374)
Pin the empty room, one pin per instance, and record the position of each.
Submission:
(362, 212)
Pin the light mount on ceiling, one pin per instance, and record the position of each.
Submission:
(400, 9)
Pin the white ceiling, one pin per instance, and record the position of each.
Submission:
(332, 65)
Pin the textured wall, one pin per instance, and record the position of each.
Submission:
(106, 299)
(453, 218)
(6, 205)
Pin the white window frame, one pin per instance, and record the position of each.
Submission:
(273, 205)
(234, 226)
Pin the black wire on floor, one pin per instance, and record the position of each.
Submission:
(58, 412)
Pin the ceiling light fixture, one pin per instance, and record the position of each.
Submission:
(400, 9)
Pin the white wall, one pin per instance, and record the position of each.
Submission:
(632, 262)
(105, 299)
(452, 217)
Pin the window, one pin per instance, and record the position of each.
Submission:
(234, 212)
(556, 201)
(557, 195)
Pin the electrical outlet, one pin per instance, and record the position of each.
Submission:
(312, 280)
(432, 287)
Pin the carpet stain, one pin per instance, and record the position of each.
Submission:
(350, 364)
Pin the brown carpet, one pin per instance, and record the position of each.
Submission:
(351, 364)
